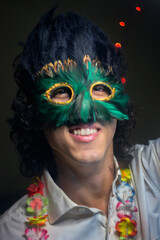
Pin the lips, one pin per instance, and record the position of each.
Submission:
(85, 133)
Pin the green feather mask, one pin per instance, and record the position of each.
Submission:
(81, 94)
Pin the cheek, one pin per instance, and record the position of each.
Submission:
(114, 126)
(53, 137)
(111, 129)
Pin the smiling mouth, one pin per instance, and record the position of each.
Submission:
(84, 131)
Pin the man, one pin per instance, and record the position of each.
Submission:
(72, 119)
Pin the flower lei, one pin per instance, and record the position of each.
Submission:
(126, 227)
(36, 206)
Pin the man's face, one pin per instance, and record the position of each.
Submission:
(84, 143)
(80, 106)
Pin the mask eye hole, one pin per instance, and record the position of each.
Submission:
(102, 91)
(60, 93)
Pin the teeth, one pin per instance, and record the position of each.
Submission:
(79, 132)
(75, 132)
(85, 132)
(88, 132)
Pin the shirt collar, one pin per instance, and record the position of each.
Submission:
(58, 202)
(117, 179)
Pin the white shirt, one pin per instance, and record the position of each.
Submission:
(68, 221)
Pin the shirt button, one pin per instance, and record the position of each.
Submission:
(82, 210)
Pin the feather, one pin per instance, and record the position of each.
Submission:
(83, 108)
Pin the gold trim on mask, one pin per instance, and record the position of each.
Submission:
(113, 91)
(56, 86)
(51, 68)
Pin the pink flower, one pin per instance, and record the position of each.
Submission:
(36, 234)
(125, 209)
(37, 204)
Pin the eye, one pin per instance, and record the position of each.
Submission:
(62, 94)
(102, 91)
(59, 93)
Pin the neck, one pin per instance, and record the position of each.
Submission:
(88, 184)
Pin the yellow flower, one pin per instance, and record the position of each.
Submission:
(126, 175)
(38, 220)
(126, 227)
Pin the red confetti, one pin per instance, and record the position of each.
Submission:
(122, 24)
(123, 80)
(138, 9)
(118, 45)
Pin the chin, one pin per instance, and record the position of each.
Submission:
(90, 157)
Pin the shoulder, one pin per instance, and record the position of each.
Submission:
(12, 222)
(148, 154)
(146, 161)
(153, 147)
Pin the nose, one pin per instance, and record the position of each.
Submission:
(85, 108)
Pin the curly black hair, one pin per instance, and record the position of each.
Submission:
(65, 36)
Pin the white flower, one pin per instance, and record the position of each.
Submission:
(125, 192)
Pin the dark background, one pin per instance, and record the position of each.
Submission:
(141, 44)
